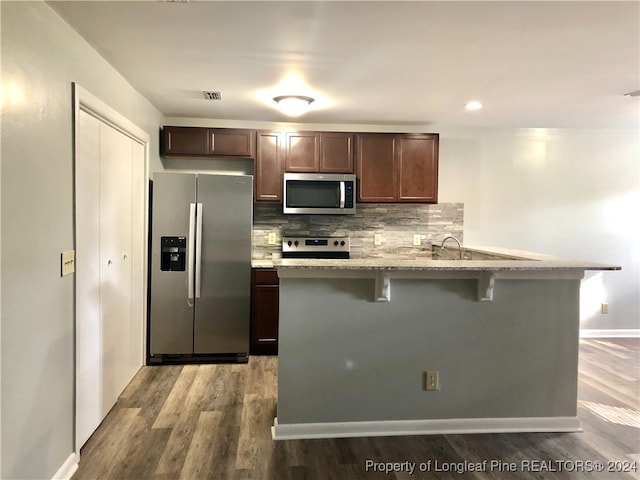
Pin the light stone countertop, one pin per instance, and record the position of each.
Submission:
(528, 261)
(263, 263)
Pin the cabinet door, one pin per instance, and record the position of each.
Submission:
(185, 141)
(302, 152)
(417, 160)
(336, 152)
(269, 166)
(230, 141)
(264, 312)
(264, 334)
(375, 167)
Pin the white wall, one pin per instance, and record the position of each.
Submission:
(41, 57)
(572, 193)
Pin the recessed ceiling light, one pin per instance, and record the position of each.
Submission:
(473, 105)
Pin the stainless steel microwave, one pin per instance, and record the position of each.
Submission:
(319, 193)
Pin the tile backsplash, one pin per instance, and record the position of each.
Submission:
(396, 223)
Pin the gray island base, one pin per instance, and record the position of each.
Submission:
(356, 338)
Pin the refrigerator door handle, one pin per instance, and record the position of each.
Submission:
(190, 252)
(198, 249)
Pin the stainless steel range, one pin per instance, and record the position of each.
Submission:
(315, 247)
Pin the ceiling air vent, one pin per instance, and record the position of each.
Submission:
(212, 95)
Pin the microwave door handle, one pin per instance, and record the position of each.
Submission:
(342, 194)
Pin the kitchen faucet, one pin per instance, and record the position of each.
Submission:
(457, 241)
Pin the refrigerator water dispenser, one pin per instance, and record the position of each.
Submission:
(173, 254)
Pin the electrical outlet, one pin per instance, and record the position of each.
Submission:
(604, 308)
(67, 262)
(272, 238)
(431, 381)
(417, 240)
(377, 239)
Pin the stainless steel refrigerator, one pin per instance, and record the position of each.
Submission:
(201, 233)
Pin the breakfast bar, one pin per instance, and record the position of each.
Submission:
(497, 333)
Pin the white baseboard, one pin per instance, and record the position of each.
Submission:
(610, 333)
(68, 468)
(424, 427)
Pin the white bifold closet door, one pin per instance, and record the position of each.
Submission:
(110, 268)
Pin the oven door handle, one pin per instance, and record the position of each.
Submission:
(342, 194)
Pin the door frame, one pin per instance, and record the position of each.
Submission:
(90, 104)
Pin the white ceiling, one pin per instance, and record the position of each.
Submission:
(532, 64)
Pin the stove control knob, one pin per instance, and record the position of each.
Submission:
(289, 243)
(296, 243)
(336, 243)
(341, 243)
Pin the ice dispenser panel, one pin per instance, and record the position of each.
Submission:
(173, 254)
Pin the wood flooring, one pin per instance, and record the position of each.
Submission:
(213, 422)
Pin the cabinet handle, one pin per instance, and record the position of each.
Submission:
(267, 339)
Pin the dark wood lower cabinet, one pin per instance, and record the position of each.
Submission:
(265, 287)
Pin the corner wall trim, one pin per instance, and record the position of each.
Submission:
(295, 431)
(68, 468)
(610, 333)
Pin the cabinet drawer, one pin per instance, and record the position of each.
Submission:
(266, 277)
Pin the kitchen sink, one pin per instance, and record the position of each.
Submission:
(451, 253)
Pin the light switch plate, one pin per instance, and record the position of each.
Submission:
(431, 381)
(417, 240)
(67, 262)
(377, 239)
(272, 238)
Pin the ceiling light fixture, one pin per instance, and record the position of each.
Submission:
(293, 105)
(633, 94)
(473, 105)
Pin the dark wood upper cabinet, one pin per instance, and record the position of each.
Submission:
(312, 152)
(302, 152)
(376, 167)
(336, 152)
(185, 141)
(200, 141)
(391, 167)
(231, 141)
(417, 162)
(269, 166)
(397, 167)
